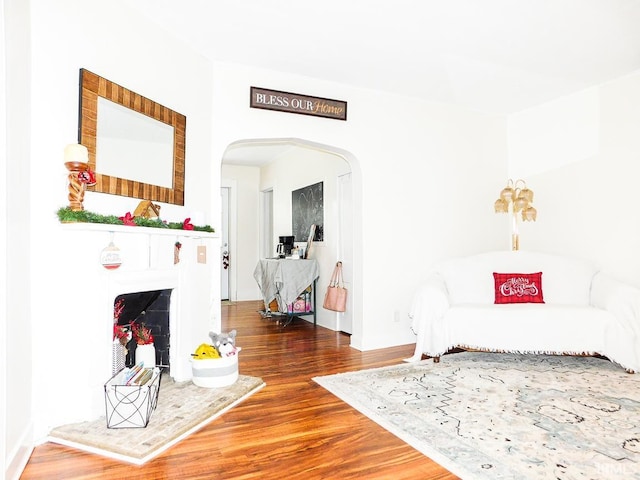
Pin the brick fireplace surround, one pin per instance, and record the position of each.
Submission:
(69, 383)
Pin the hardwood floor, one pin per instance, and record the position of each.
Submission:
(292, 428)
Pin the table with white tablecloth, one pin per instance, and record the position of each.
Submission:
(284, 279)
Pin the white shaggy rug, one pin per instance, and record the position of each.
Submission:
(506, 416)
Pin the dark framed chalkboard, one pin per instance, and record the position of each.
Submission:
(307, 208)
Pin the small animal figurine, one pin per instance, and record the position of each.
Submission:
(224, 343)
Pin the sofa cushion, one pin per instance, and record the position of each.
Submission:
(518, 287)
(567, 281)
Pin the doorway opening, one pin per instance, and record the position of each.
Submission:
(225, 261)
(228, 235)
(266, 172)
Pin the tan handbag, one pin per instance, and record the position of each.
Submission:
(336, 297)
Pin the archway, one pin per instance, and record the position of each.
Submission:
(242, 157)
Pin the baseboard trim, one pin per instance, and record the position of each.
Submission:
(19, 457)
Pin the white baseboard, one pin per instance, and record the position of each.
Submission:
(18, 458)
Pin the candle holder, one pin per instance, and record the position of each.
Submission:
(77, 186)
(76, 158)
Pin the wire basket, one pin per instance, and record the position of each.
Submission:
(130, 406)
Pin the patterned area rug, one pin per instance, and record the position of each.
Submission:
(506, 416)
(182, 409)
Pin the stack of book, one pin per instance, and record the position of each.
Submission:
(137, 375)
(131, 395)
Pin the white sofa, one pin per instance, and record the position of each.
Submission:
(585, 312)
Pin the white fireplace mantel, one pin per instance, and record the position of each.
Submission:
(77, 308)
(104, 227)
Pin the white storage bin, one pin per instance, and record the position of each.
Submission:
(215, 372)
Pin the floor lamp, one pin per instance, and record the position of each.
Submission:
(516, 200)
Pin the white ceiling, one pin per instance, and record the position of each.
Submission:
(497, 56)
(489, 55)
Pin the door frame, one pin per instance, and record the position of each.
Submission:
(344, 320)
(267, 249)
(232, 185)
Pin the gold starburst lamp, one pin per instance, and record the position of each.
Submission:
(516, 200)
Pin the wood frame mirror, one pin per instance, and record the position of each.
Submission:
(93, 88)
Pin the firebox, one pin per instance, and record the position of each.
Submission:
(151, 310)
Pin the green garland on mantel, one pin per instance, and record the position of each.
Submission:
(66, 215)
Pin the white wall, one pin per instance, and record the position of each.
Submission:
(118, 44)
(425, 178)
(581, 155)
(16, 394)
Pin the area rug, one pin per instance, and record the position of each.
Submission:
(505, 416)
(182, 409)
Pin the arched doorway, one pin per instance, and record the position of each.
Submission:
(248, 170)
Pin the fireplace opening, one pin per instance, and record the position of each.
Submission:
(151, 310)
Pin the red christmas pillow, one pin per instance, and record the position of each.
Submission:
(518, 287)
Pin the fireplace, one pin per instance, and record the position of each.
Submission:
(84, 293)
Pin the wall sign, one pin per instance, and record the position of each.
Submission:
(297, 103)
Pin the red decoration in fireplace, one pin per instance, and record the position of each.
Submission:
(141, 334)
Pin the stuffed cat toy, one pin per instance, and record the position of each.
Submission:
(224, 343)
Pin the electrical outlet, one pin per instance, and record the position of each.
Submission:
(396, 316)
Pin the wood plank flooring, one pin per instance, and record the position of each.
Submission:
(292, 428)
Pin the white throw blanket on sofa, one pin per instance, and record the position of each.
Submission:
(584, 310)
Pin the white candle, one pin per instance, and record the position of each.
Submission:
(76, 153)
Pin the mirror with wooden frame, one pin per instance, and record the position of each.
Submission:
(136, 146)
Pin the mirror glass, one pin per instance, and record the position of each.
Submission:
(124, 136)
(136, 146)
